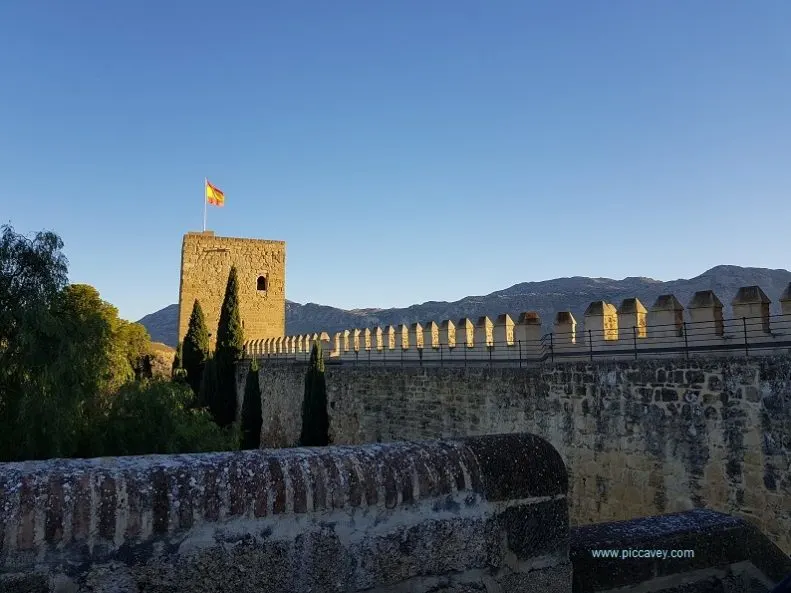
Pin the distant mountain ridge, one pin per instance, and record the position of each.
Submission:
(547, 297)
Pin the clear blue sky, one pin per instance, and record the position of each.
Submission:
(406, 150)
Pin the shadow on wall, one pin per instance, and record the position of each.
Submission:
(413, 515)
(693, 551)
(476, 514)
(640, 437)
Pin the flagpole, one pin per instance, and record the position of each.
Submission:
(205, 184)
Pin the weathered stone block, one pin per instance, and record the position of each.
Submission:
(406, 515)
(741, 409)
(206, 261)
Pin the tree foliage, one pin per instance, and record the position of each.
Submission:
(157, 417)
(315, 418)
(134, 343)
(120, 347)
(73, 375)
(208, 396)
(176, 360)
(195, 348)
(177, 372)
(228, 351)
(252, 419)
(42, 375)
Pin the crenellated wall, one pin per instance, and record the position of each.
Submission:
(630, 330)
(639, 437)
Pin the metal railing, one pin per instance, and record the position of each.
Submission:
(740, 337)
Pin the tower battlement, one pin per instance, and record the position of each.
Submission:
(206, 261)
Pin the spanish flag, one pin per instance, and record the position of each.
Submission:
(214, 195)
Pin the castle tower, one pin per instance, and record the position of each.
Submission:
(206, 261)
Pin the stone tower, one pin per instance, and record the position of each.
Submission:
(206, 261)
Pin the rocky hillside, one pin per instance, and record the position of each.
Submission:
(547, 297)
(161, 359)
(163, 326)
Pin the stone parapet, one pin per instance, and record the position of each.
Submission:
(640, 437)
(413, 515)
(628, 331)
(696, 551)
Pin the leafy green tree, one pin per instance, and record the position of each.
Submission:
(40, 376)
(68, 365)
(195, 348)
(228, 351)
(125, 346)
(315, 418)
(156, 417)
(252, 419)
(60, 351)
(84, 309)
(134, 344)
(113, 351)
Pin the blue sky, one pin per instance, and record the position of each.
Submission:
(406, 150)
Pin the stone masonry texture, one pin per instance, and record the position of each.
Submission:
(206, 261)
(730, 555)
(454, 515)
(639, 438)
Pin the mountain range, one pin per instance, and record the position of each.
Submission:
(547, 297)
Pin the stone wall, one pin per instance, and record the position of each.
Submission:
(697, 551)
(639, 438)
(452, 516)
(627, 332)
(206, 261)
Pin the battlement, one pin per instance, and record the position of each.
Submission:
(212, 239)
(607, 331)
(206, 261)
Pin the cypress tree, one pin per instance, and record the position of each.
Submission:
(251, 410)
(178, 374)
(195, 348)
(208, 391)
(315, 419)
(229, 348)
(176, 361)
(144, 370)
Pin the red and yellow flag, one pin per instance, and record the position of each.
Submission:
(214, 195)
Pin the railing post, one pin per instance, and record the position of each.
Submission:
(420, 355)
(490, 348)
(441, 350)
(552, 347)
(520, 352)
(402, 356)
(590, 343)
(634, 339)
(746, 344)
(465, 352)
(686, 340)
(369, 358)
